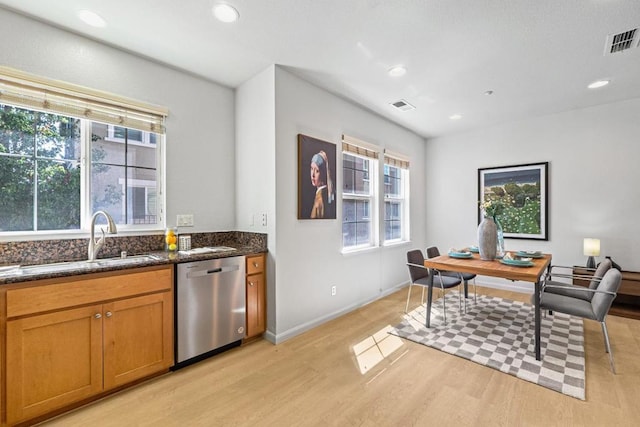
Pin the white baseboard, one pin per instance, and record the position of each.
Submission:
(486, 281)
(297, 330)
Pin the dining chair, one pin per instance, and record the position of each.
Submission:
(596, 308)
(433, 252)
(419, 275)
(564, 288)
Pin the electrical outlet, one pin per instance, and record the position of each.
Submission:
(184, 221)
(263, 219)
(333, 291)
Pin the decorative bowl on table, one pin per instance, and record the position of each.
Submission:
(474, 249)
(453, 253)
(516, 262)
(530, 254)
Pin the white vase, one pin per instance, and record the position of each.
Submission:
(500, 241)
(487, 239)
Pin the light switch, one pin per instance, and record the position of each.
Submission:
(184, 221)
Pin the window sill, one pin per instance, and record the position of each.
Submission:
(359, 251)
(396, 243)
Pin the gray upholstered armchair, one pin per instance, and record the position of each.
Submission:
(563, 288)
(572, 301)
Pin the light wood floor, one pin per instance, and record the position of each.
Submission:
(313, 380)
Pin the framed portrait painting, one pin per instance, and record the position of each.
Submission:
(521, 193)
(316, 178)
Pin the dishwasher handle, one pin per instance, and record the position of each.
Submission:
(201, 273)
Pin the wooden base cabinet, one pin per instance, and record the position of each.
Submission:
(53, 360)
(58, 354)
(138, 338)
(256, 296)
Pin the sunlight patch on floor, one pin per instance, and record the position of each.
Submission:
(375, 348)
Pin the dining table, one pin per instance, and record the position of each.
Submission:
(533, 272)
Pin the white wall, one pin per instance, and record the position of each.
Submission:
(255, 169)
(309, 258)
(200, 126)
(593, 174)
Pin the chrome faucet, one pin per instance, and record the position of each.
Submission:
(96, 245)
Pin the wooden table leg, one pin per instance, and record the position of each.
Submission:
(536, 299)
(429, 297)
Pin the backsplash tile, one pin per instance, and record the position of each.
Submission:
(57, 250)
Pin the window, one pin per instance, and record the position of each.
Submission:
(39, 171)
(359, 175)
(396, 182)
(124, 174)
(58, 164)
(361, 199)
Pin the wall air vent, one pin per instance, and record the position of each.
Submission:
(621, 41)
(402, 105)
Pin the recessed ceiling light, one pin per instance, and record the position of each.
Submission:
(455, 117)
(598, 83)
(397, 71)
(225, 13)
(92, 18)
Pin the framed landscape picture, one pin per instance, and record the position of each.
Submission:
(522, 191)
(316, 178)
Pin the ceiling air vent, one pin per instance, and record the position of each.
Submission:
(621, 41)
(403, 105)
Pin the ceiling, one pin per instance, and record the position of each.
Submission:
(537, 56)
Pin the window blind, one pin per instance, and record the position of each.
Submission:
(396, 159)
(362, 148)
(26, 90)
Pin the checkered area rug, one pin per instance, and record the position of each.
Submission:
(499, 333)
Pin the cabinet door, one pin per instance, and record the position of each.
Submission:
(256, 321)
(52, 360)
(138, 338)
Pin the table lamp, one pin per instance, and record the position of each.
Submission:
(591, 248)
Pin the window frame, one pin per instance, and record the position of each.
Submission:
(84, 162)
(364, 150)
(373, 202)
(402, 200)
(33, 92)
(160, 148)
(378, 196)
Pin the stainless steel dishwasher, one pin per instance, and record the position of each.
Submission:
(210, 307)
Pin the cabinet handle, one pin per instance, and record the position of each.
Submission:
(97, 315)
(255, 264)
(250, 283)
(108, 314)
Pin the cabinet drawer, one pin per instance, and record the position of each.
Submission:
(80, 290)
(255, 264)
(629, 286)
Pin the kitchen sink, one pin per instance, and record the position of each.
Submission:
(132, 259)
(77, 265)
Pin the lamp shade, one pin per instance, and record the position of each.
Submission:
(591, 247)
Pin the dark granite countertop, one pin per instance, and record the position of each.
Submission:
(81, 267)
